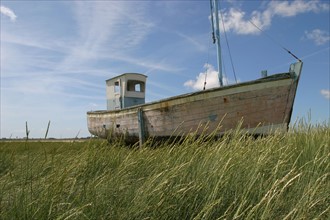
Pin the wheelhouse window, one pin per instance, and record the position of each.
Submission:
(117, 87)
(135, 86)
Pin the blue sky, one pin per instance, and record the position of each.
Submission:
(56, 55)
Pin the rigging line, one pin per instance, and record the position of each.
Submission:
(225, 73)
(316, 52)
(207, 64)
(271, 38)
(205, 79)
(212, 23)
(230, 56)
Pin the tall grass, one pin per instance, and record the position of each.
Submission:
(282, 176)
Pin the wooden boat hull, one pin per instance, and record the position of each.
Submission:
(262, 106)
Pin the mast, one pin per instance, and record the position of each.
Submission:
(216, 36)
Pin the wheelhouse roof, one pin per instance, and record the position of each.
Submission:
(126, 75)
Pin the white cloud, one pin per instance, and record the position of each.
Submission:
(212, 79)
(236, 20)
(320, 37)
(292, 8)
(325, 93)
(8, 12)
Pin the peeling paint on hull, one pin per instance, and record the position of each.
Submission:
(262, 105)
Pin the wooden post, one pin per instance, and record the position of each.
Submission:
(141, 127)
(27, 130)
(47, 129)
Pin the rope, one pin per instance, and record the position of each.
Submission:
(207, 64)
(225, 73)
(272, 39)
(227, 42)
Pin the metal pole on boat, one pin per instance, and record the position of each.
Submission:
(214, 10)
(141, 127)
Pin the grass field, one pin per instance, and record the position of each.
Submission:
(282, 176)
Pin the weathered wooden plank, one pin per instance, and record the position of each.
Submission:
(264, 103)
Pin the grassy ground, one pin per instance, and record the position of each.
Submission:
(283, 176)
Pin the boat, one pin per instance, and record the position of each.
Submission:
(261, 106)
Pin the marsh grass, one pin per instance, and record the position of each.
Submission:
(282, 176)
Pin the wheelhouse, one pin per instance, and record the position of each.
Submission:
(125, 90)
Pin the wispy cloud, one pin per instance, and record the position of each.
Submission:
(198, 45)
(8, 12)
(237, 21)
(68, 68)
(102, 27)
(107, 27)
(320, 37)
(325, 93)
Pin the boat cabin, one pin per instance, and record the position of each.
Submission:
(125, 90)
